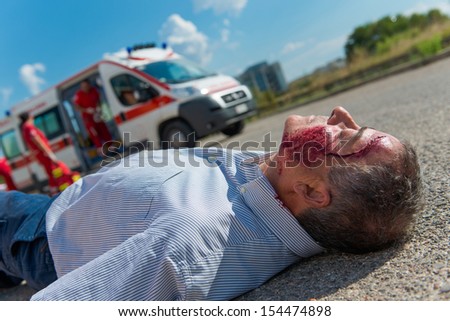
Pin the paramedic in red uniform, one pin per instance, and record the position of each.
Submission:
(87, 101)
(40, 149)
(5, 173)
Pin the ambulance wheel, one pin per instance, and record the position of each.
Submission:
(234, 129)
(177, 134)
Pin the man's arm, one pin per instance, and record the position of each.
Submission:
(44, 148)
(137, 269)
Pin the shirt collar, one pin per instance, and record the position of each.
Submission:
(260, 195)
(256, 158)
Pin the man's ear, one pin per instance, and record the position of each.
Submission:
(315, 195)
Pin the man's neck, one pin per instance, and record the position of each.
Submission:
(272, 172)
(268, 167)
(282, 180)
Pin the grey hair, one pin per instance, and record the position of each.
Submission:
(372, 206)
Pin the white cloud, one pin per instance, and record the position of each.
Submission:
(291, 46)
(225, 32)
(422, 7)
(29, 77)
(183, 36)
(225, 35)
(5, 93)
(233, 7)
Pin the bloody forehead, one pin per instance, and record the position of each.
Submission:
(304, 145)
(300, 137)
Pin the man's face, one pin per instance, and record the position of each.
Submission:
(85, 86)
(314, 138)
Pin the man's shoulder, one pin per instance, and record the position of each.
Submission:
(27, 125)
(28, 128)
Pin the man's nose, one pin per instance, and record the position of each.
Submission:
(340, 115)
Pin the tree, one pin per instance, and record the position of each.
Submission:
(372, 36)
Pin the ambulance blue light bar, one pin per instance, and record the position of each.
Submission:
(141, 46)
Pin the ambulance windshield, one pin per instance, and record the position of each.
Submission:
(175, 71)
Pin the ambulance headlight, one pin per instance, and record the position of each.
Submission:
(186, 91)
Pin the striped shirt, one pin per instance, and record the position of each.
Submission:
(187, 224)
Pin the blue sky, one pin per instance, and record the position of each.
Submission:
(44, 42)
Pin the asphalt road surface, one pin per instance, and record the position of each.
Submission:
(414, 105)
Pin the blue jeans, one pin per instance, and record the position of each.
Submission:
(24, 251)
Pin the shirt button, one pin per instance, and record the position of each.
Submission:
(243, 189)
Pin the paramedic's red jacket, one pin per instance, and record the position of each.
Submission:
(97, 130)
(5, 172)
(29, 131)
(87, 100)
(65, 176)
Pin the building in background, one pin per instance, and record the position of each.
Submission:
(264, 77)
(336, 64)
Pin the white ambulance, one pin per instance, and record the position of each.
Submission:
(150, 97)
